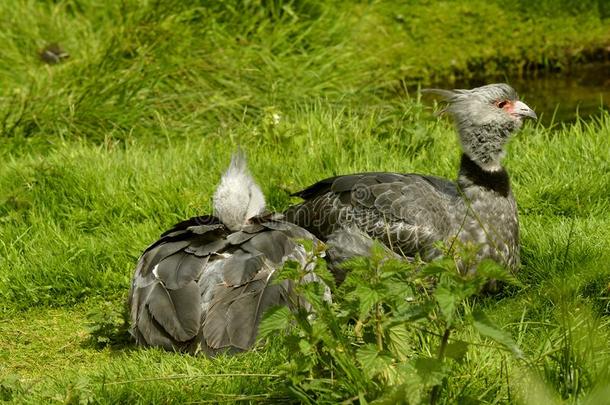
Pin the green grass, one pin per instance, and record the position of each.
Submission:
(103, 152)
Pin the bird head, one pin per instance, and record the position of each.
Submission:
(485, 118)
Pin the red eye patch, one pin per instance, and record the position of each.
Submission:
(505, 105)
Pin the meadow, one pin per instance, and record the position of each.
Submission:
(129, 135)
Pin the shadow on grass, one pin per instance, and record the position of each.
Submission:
(108, 327)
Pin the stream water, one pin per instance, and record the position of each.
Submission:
(562, 97)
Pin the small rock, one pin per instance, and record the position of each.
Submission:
(53, 54)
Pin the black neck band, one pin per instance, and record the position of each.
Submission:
(496, 181)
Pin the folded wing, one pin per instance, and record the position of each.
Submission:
(408, 212)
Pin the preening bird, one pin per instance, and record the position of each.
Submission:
(411, 212)
(204, 285)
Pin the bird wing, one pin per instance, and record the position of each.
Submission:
(164, 296)
(408, 212)
(235, 306)
(201, 287)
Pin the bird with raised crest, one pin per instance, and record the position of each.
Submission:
(204, 285)
(412, 213)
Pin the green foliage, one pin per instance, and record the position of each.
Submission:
(10, 386)
(365, 345)
(108, 325)
(157, 70)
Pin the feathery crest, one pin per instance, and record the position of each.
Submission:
(238, 198)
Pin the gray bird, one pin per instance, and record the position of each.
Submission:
(410, 213)
(206, 283)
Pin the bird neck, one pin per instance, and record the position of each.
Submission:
(472, 174)
(484, 144)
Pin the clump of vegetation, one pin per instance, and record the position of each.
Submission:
(108, 325)
(389, 334)
(399, 332)
(10, 387)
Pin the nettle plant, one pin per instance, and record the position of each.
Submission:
(368, 344)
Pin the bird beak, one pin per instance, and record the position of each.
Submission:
(521, 109)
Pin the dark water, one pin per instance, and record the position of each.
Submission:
(562, 97)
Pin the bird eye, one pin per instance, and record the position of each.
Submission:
(502, 103)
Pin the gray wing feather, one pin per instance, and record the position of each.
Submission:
(274, 245)
(147, 331)
(241, 267)
(206, 249)
(253, 228)
(203, 229)
(172, 311)
(233, 318)
(180, 269)
(152, 257)
(346, 183)
(239, 237)
(289, 229)
(383, 203)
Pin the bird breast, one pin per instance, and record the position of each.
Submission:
(490, 222)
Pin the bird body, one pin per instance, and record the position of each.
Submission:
(205, 284)
(410, 213)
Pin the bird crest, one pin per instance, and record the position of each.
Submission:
(238, 198)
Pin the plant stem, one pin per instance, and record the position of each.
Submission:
(441, 355)
(378, 328)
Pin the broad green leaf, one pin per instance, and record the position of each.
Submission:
(412, 313)
(406, 393)
(321, 270)
(456, 350)
(372, 361)
(290, 271)
(430, 370)
(275, 319)
(493, 271)
(393, 267)
(379, 251)
(398, 291)
(357, 263)
(366, 297)
(433, 269)
(447, 301)
(488, 329)
(307, 244)
(410, 390)
(305, 347)
(398, 341)
(313, 293)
